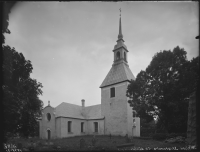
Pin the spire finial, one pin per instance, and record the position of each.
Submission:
(120, 36)
(48, 103)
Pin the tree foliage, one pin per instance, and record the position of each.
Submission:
(163, 89)
(20, 99)
(21, 104)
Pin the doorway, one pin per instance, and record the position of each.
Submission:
(48, 134)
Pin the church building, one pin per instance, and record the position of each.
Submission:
(113, 116)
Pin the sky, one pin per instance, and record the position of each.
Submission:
(70, 43)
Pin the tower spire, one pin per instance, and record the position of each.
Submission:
(120, 36)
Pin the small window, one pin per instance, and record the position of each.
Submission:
(95, 126)
(82, 126)
(118, 55)
(112, 92)
(48, 116)
(69, 126)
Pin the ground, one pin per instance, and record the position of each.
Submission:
(102, 143)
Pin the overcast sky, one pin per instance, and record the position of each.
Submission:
(70, 43)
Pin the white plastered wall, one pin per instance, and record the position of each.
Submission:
(47, 125)
(75, 127)
(91, 127)
(136, 129)
(115, 109)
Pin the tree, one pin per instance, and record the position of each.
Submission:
(163, 89)
(21, 105)
(136, 91)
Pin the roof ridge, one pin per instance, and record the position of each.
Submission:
(93, 105)
(67, 103)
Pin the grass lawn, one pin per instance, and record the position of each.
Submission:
(102, 142)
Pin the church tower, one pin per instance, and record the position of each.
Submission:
(114, 102)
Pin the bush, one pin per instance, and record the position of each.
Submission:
(161, 131)
(163, 136)
(146, 132)
(173, 135)
(183, 135)
(159, 136)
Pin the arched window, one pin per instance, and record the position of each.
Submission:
(48, 116)
(118, 55)
(125, 56)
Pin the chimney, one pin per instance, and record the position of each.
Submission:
(83, 103)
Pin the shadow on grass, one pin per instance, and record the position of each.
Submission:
(102, 143)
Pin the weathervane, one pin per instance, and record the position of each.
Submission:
(120, 12)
